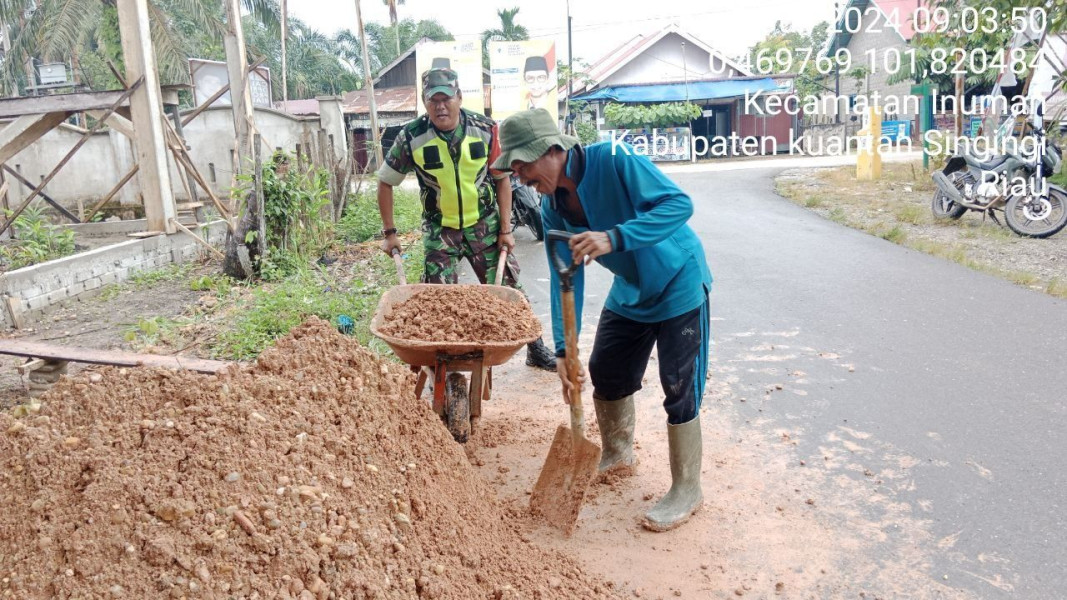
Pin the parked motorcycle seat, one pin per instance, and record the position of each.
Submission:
(991, 164)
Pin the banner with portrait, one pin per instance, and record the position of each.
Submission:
(463, 57)
(523, 75)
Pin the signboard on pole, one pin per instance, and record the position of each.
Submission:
(523, 76)
(210, 75)
(463, 57)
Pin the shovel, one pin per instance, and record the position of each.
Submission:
(572, 460)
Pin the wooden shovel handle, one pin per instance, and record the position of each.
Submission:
(399, 261)
(501, 264)
(570, 335)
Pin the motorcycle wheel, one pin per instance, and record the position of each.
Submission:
(1037, 219)
(944, 208)
(536, 225)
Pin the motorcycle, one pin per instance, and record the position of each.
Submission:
(526, 208)
(1014, 183)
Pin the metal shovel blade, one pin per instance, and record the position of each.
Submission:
(569, 469)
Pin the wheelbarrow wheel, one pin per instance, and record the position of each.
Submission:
(457, 407)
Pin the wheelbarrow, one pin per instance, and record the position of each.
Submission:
(455, 399)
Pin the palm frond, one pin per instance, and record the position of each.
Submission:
(170, 56)
(267, 12)
(24, 40)
(69, 24)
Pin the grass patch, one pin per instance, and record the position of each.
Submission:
(362, 220)
(813, 202)
(109, 292)
(146, 279)
(1056, 287)
(895, 235)
(913, 214)
(837, 215)
(152, 330)
(273, 309)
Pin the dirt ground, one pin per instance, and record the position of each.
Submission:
(897, 208)
(771, 526)
(99, 322)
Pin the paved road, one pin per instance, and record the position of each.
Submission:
(939, 390)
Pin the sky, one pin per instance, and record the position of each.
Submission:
(730, 26)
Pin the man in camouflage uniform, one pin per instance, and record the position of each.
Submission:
(466, 206)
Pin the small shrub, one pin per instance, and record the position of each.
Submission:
(38, 240)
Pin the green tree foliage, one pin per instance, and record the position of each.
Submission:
(995, 37)
(668, 114)
(808, 81)
(316, 64)
(381, 40)
(509, 31)
(62, 30)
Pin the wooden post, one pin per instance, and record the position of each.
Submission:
(285, 64)
(368, 79)
(261, 204)
(146, 113)
(240, 97)
(190, 182)
(3, 192)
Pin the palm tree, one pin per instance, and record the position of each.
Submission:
(392, 4)
(509, 31)
(316, 66)
(57, 29)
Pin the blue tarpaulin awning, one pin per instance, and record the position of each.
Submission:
(677, 92)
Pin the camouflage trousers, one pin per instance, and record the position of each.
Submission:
(445, 247)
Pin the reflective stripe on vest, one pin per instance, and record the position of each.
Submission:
(458, 197)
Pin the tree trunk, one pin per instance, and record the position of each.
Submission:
(242, 257)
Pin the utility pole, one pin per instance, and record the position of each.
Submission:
(685, 73)
(837, 67)
(570, 72)
(369, 81)
(285, 64)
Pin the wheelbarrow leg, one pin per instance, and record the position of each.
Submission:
(440, 374)
(420, 383)
(477, 389)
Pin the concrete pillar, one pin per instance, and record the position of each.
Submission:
(333, 121)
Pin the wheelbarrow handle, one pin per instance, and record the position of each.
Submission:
(553, 238)
(501, 265)
(398, 259)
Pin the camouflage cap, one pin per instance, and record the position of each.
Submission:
(444, 81)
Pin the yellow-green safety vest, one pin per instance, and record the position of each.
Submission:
(458, 181)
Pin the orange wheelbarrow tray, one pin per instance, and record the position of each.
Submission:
(457, 404)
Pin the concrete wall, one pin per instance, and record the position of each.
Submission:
(108, 155)
(31, 289)
(662, 61)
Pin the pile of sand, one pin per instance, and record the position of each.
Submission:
(314, 474)
(461, 314)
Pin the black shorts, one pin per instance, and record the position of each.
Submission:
(622, 349)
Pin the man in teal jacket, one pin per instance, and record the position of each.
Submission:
(629, 217)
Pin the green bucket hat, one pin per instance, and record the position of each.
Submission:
(527, 135)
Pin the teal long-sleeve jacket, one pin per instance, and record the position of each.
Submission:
(658, 261)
